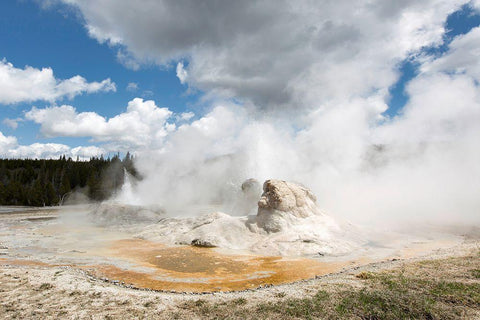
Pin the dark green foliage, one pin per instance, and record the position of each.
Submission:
(29, 182)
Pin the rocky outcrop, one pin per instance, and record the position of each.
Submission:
(202, 243)
(282, 203)
(214, 229)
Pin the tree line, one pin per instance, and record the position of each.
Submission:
(42, 182)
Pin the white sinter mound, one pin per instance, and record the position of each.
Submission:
(112, 213)
(288, 223)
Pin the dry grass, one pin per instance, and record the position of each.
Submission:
(438, 289)
(433, 289)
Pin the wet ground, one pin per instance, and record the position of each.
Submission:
(50, 238)
(191, 269)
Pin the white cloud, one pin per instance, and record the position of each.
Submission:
(127, 60)
(186, 116)
(181, 73)
(147, 94)
(9, 148)
(84, 153)
(461, 58)
(31, 84)
(39, 151)
(12, 123)
(6, 142)
(476, 4)
(132, 86)
(143, 124)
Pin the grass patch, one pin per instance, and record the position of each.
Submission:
(148, 304)
(475, 273)
(45, 286)
(441, 289)
(364, 275)
(239, 301)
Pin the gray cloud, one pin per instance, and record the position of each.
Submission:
(273, 52)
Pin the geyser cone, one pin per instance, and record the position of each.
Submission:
(288, 223)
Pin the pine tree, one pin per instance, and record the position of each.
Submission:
(36, 195)
(50, 195)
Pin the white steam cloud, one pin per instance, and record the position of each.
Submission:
(311, 82)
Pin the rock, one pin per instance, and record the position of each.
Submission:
(285, 221)
(282, 202)
(110, 213)
(202, 243)
(251, 186)
(216, 228)
(245, 202)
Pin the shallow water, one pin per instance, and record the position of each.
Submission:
(190, 269)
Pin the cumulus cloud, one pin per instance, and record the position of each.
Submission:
(127, 60)
(39, 151)
(476, 4)
(7, 142)
(186, 116)
(87, 152)
(462, 58)
(9, 148)
(31, 84)
(181, 73)
(142, 124)
(272, 52)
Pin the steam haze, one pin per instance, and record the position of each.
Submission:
(300, 91)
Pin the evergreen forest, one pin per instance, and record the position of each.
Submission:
(48, 182)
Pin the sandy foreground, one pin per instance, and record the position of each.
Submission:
(33, 289)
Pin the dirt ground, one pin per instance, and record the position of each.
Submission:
(449, 278)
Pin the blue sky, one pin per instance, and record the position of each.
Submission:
(56, 36)
(458, 23)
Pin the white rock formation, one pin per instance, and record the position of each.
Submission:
(288, 223)
(217, 229)
(111, 213)
(282, 204)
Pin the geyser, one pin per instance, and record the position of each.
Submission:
(288, 222)
(282, 204)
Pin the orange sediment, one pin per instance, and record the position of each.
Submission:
(190, 269)
(149, 265)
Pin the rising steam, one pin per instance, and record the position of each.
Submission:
(311, 84)
(420, 165)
